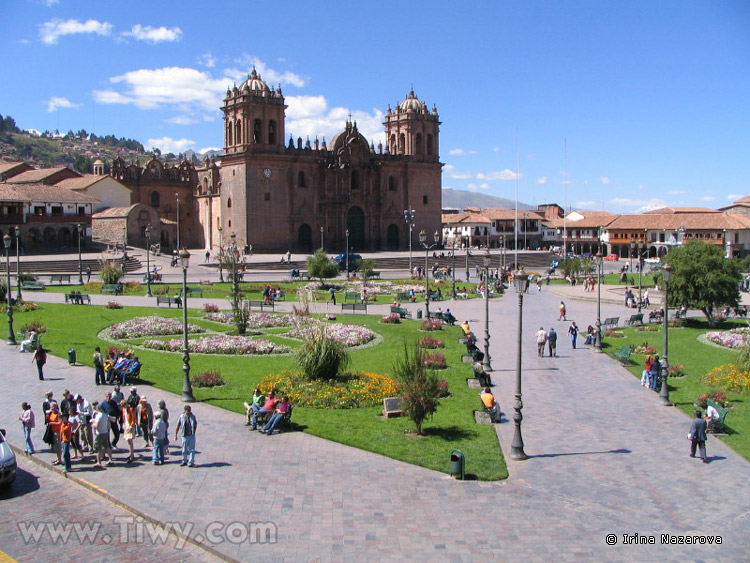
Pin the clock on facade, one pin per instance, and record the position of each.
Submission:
(266, 173)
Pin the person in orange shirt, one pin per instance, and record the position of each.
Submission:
(488, 400)
(66, 437)
(128, 427)
(53, 420)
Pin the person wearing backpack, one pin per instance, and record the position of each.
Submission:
(98, 366)
(145, 417)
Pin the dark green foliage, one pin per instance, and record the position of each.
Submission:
(111, 273)
(321, 357)
(320, 266)
(419, 386)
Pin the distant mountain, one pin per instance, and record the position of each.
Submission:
(460, 199)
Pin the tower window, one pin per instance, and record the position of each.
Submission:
(391, 184)
(300, 179)
(271, 132)
(267, 196)
(430, 147)
(257, 133)
(229, 203)
(238, 136)
(154, 199)
(402, 144)
(355, 180)
(424, 199)
(419, 144)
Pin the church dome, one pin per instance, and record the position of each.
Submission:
(412, 103)
(254, 83)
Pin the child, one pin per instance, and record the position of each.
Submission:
(66, 437)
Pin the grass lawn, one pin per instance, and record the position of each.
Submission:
(451, 427)
(698, 358)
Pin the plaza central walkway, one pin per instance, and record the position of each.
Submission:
(605, 458)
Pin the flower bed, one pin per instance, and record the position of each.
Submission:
(644, 350)
(728, 377)
(434, 361)
(735, 338)
(716, 396)
(207, 379)
(254, 320)
(431, 342)
(431, 325)
(348, 335)
(393, 318)
(220, 344)
(113, 305)
(358, 390)
(150, 326)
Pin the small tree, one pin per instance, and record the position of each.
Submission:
(366, 266)
(229, 262)
(320, 266)
(111, 272)
(570, 267)
(320, 356)
(703, 278)
(419, 386)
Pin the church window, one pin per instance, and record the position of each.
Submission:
(267, 196)
(238, 136)
(393, 144)
(355, 180)
(205, 185)
(419, 144)
(257, 133)
(424, 199)
(301, 179)
(430, 147)
(154, 199)
(229, 136)
(272, 132)
(402, 144)
(229, 203)
(391, 184)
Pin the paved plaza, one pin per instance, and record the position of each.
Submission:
(604, 459)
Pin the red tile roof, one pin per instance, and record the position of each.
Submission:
(42, 192)
(41, 174)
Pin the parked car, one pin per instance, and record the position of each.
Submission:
(8, 466)
(612, 257)
(341, 261)
(652, 260)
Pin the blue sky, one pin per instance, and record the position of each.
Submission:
(650, 98)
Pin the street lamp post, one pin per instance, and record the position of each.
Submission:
(664, 391)
(640, 272)
(486, 362)
(187, 389)
(79, 230)
(11, 335)
(516, 448)
(321, 238)
(178, 220)
(599, 266)
(427, 248)
(409, 218)
(148, 261)
(233, 262)
(453, 267)
(347, 253)
(525, 217)
(18, 264)
(221, 256)
(468, 273)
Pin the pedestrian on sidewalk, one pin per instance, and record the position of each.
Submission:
(552, 342)
(98, 366)
(159, 433)
(27, 423)
(573, 332)
(88, 274)
(165, 417)
(332, 293)
(541, 340)
(66, 437)
(208, 256)
(561, 309)
(698, 436)
(101, 422)
(186, 427)
(40, 357)
(83, 407)
(145, 416)
(128, 427)
(53, 422)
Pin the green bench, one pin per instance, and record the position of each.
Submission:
(350, 297)
(77, 298)
(259, 304)
(113, 288)
(623, 355)
(168, 300)
(443, 317)
(610, 323)
(286, 421)
(59, 278)
(33, 285)
(402, 296)
(401, 312)
(194, 292)
(353, 307)
(717, 426)
(636, 319)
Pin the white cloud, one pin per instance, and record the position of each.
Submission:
(49, 3)
(605, 180)
(181, 120)
(270, 75)
(676, 192)
(541, 181)
(734, 197)
(708, 198)
(641, 205)
(496, 149)
(460, 152)
(168, 144)
(586, 204)
(498, 175)
(54, 102)
(450, 171)
(204, 150)
(309, 116)
(305, 107)
(154, 35)
(207, 60)
(185, 88)
(52, 30)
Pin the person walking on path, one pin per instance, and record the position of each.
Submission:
(66, 437)
(573, 332)
(698, 436)
(164, 411)
(332, 298)
(561, 310)
(98, 366)
(145, 416)
(28, 423)
(186, 427)
(552, 342)
(159, 433)
(53, 421)
(128, 428)
(101, 423)
(541, 340)
(40, 357)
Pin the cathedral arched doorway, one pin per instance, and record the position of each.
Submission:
(391, 237)
(304, 238)
(355, 222)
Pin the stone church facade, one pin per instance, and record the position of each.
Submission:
(278, 197)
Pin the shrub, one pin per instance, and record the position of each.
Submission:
(207, 379)
(644, 349)
(434, 361)
(393, 318)
(35, 325)
(715, 396)
(210, 308)
(649, 328)
(420, 394)
(614, 334)
(113, 305)
(443, 389)
(320, 356)
(431, 342)
(160, 290)
(431, 325)
(676, 370)
(111, 272)
(728, 377)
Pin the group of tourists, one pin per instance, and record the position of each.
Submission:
(79, 427)
(271, 408)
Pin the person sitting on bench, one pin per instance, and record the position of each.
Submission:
(488, 400)
(281, 409)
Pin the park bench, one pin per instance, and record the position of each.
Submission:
(259, 304)
(402, 296)
(401, 312)
(354, 307)
(77, 298)
(610, 323)
(59, 278)
(623, 355)
(262, 417)
(445, 318)
(481, 375)
(168, 300)
(636, 319)
(717, 426)
(351, 297)
(392, 407)
(194, 292)
(113, 288)
(655, 317)
(373, 275)
(280, 296)
(33, 285)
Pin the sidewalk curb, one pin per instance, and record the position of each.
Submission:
(106, 496)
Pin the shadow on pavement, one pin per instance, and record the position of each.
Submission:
(25, 483)
(449, 434)
(620, 451)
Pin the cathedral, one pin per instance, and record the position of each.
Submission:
(299, 196)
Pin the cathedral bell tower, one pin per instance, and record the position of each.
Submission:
(413, 130)
(253, 117)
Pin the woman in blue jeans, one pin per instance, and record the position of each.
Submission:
(283, 408)
(27, 421)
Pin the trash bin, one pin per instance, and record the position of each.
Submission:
(419, 313)
(72, 356)
(458, 464)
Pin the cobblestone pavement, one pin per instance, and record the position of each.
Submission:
(605, 458)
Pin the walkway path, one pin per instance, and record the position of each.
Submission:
(605, 458)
